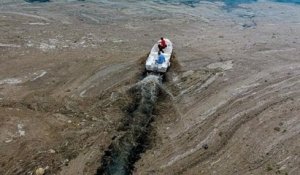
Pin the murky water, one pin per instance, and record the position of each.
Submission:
(191, 3)
(227, 3)
(125, 150)
(37, 0)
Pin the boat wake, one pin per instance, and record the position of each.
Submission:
(124, 151)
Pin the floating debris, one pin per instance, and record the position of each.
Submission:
(21, 131)
(40, 171)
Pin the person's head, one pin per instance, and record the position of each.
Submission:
(158, 52)
(161, 38)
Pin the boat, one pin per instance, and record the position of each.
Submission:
(152, 66)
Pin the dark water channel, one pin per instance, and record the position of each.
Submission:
(125, 150)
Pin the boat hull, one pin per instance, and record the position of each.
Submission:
(151, 64)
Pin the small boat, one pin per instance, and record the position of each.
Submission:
(152, 66)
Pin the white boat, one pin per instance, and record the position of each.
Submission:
(151, 64)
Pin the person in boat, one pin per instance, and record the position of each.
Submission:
(162, 44)
(161, 58)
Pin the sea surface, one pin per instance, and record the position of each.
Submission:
(227, 3)
(191, 3)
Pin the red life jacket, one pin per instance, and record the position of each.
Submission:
(163, 43)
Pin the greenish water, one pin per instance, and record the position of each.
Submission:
(227, 3)
(37, 0)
